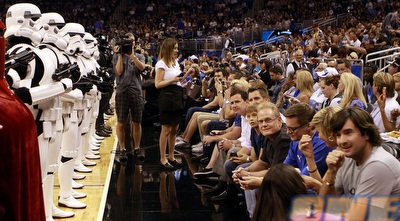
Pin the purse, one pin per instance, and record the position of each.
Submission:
(193, 90)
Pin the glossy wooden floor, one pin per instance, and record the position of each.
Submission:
(139, 190)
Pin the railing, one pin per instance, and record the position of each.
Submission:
(381, 58)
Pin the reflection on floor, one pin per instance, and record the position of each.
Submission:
(139, 190)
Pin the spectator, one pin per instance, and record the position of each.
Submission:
(278, 188)
(361, 164)
(351, 92)
(304, 136)
(394, 66)
(384, 92)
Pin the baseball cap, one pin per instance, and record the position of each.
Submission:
(327, 72)
(193, 57)
(396, 62)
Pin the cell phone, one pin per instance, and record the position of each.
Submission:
(181, 74)
(233, 154)
(384, 91)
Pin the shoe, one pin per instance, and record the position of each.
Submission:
(179, 142)
(88, 163)
(217, 189)
(198, 158)
(175, 163)
(178, 139)
(89, 155)
(205, 173)
(199, 144)
(140, 153)
(109, 112)
(198, 149)
(78, 195)
(105, 128)
(71, 202)
(97, 137)
(93, 147)
(183, 145)
(82, 168)
(222, 197)
(205, 160)
(58, 213)
(166, 166)
(76, 185)
(123, 156)
(76, 176)
(102, 134)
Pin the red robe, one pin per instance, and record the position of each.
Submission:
(21, 194)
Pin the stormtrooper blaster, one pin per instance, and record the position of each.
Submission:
(102, 86)
(16, 66)
(16, 59)
(70, 71)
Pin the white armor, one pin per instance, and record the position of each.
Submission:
(41, 91)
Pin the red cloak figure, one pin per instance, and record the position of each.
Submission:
(21, 194)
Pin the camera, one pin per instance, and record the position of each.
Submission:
(125, 44)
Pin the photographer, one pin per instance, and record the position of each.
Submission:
(129, 97)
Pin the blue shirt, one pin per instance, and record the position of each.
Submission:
(257, 141)
(296, 158)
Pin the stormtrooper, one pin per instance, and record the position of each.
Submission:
(19, 148)
(74, 108)
(54, 45)
(74, 33)
(36, 86)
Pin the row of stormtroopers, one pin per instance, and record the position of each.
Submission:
(59, 87)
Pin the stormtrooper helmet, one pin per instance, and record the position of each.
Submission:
(90, 45)
(52, 25)
(73, 33)
(22, 20)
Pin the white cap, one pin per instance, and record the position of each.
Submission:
(328, 72)
(193, 57)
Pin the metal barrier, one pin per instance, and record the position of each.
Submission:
(381, 58)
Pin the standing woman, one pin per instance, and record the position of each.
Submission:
(170, 100)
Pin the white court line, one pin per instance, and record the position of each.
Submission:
(107, 183)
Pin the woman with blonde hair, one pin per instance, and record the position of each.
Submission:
(304, 84)
(352, 95)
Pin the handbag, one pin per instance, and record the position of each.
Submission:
(193, 90)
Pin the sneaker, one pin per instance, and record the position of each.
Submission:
(199, 144)
(197, 150)
(178, 138)
(184, 145)
(205, 173)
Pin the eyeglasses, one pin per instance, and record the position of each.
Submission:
(267, 120)
(293, 129)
